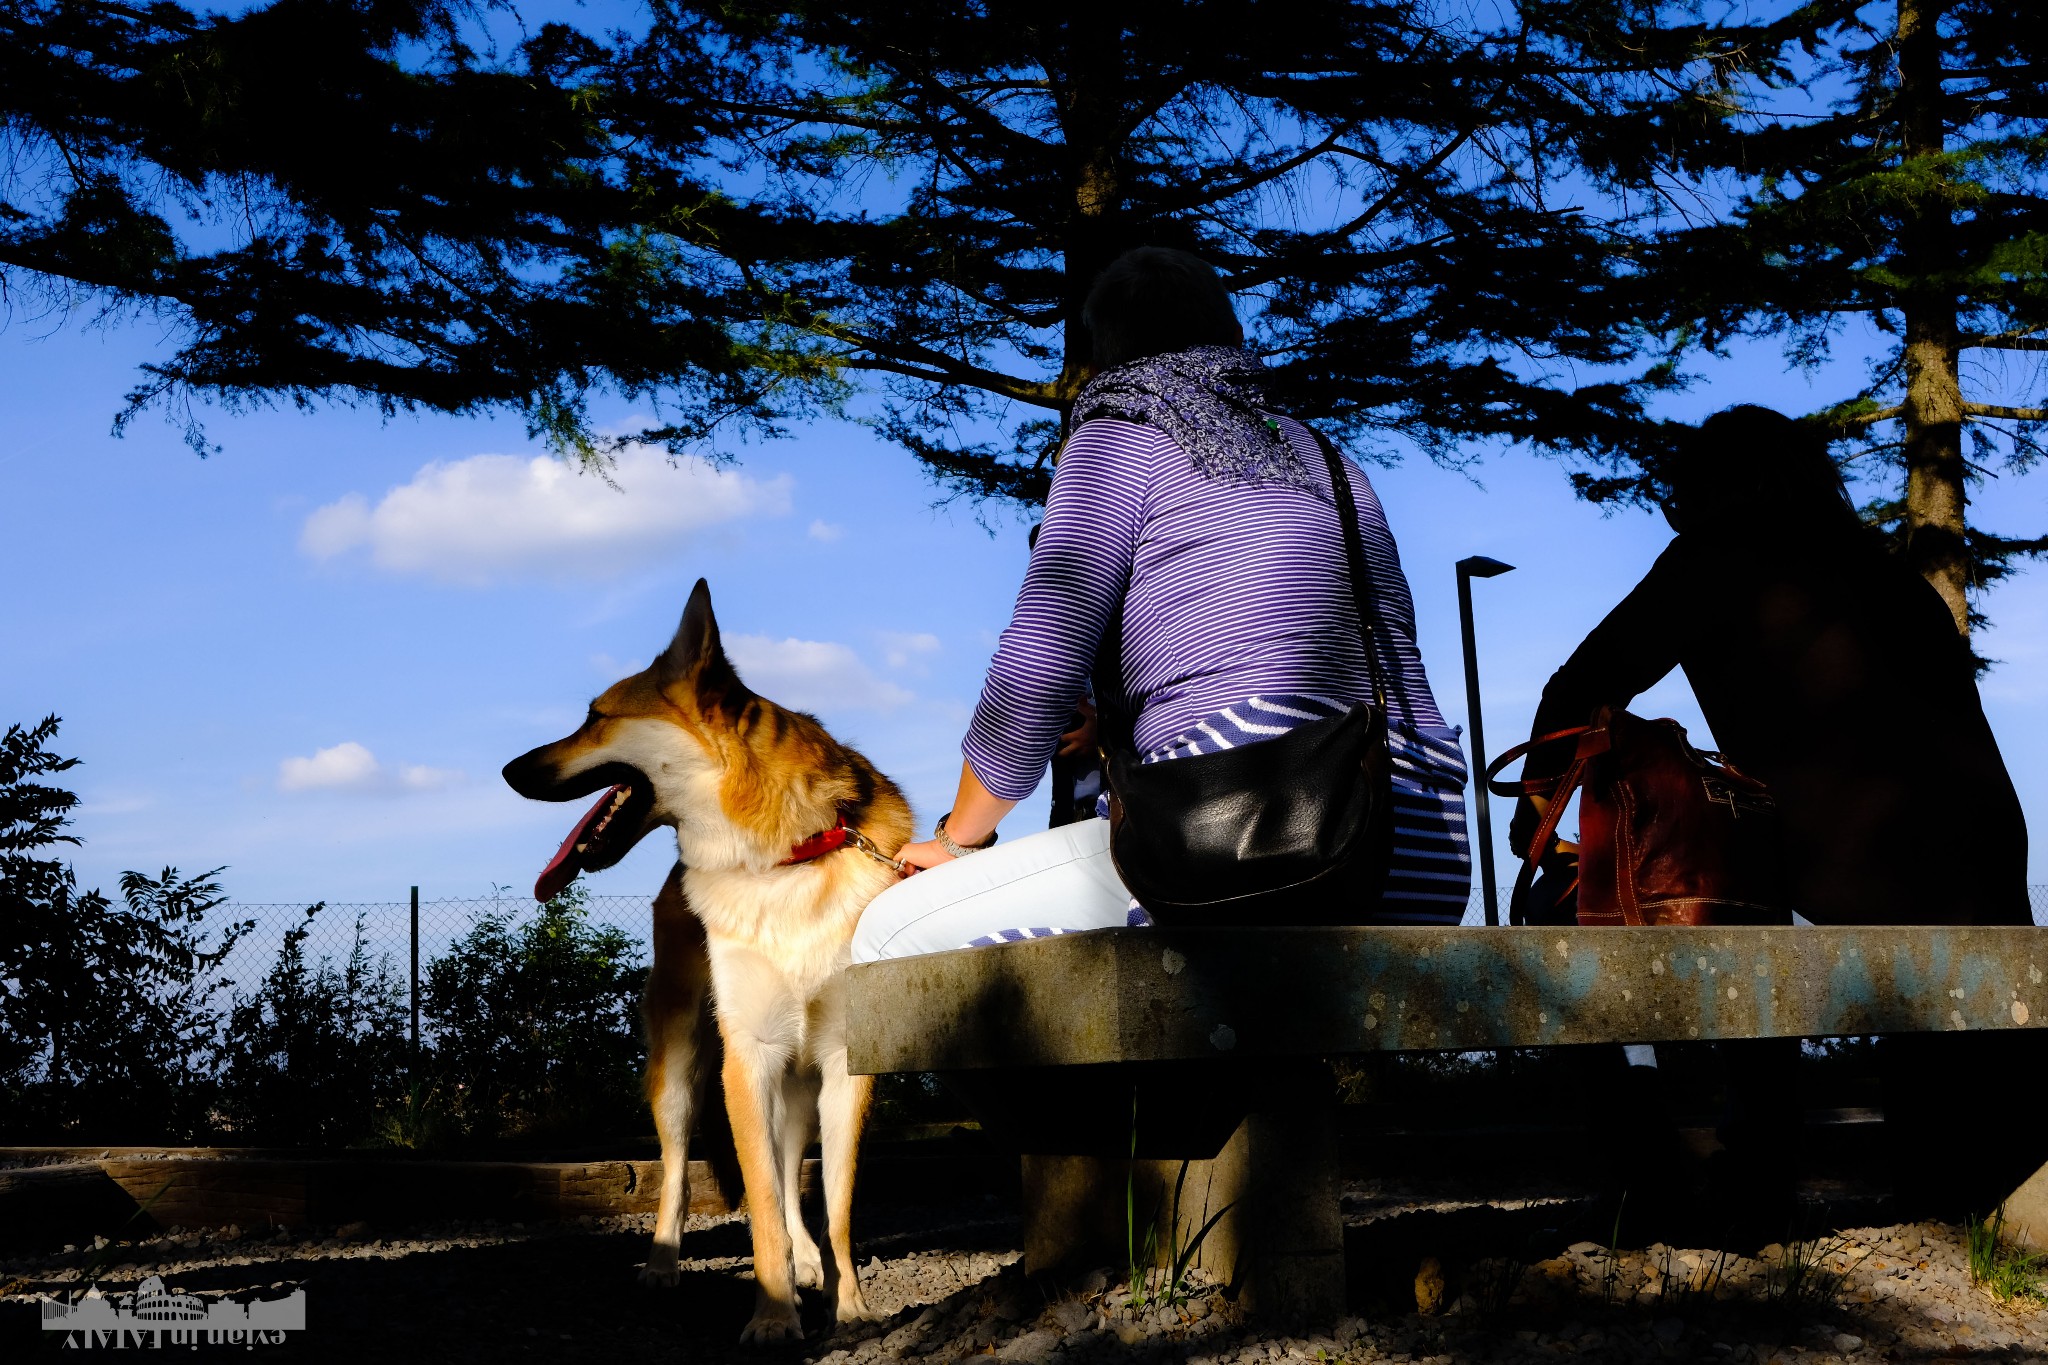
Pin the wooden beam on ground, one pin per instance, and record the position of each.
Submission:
(134, 1195)
(1123, 995)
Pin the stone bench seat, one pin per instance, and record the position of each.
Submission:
(1200, 1046)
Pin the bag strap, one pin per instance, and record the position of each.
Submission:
(1594, 740)
(1528, 786)
(1125, 725)
(1354, 563)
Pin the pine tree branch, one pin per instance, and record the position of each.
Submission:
(1230, 189)
(2018, 339)
(922, 362)
(1865, 419)
(2002, 413)
(1286, 263)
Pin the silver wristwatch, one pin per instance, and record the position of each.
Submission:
(953, 849)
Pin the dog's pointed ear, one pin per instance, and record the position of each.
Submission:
(696, 642)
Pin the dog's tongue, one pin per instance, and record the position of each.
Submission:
(568, 859)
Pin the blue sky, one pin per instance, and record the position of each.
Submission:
(307, 657)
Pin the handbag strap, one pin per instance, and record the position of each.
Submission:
(1529, 786)
(1593, 741)
(1354, 563)
(1125, 725)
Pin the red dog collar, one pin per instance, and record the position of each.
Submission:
(832, 840)
(819, 844)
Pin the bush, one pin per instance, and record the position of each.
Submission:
(113, 1027)
(107, 1020)
(317, 1055)
(534, 1027)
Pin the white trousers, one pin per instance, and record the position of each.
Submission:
(1059, 881)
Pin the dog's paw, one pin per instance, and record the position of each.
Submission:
(772, 1323)
(809, 1268)
(853, 1308)
(659, 1276)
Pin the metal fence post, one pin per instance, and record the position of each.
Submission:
(415, 975)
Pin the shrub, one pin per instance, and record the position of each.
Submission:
(534, 1026)
(107, 1020)
(316, 1054)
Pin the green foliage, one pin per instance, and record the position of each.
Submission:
(419, 1121)
(2001, 1269)
(113, 1025)
(1149, 1282)
(939, 185)
(369, 201)
(743, 210)
(317, 1053)
(534, 1030)
(1807, 1276)
(108, 1017)
(1810, 171)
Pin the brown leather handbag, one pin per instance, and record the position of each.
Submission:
(1668, 834)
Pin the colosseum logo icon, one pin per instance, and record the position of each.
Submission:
(155, 1317)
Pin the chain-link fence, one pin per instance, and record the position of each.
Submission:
(408, 935)
(389, 927)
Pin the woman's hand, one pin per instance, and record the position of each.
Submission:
(919, 856)
(972, 821)
(1080, 739)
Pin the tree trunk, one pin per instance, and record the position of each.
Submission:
(1091, 125)
(1936, 500)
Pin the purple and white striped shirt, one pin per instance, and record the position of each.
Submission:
(1225, 591)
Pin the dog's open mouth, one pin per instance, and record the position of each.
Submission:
(605, 834)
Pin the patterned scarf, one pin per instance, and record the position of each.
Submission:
(1207, 399)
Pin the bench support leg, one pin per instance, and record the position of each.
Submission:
(1279, 1242)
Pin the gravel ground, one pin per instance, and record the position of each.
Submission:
(949, 1286)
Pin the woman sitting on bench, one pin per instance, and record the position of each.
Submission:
(1205, 529)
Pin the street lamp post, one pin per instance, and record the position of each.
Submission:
(1478, 566)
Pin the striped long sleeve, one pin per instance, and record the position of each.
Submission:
(1225, 590)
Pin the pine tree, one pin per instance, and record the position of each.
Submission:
(1847, 171)
(362, 201)
(939, 184)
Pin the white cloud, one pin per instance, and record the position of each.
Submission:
(349, 766)
(614, 669)
(492, 517)
(811, 675)
(903, 650)
(826, 531)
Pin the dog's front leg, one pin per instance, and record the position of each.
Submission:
(842, 1112)
(799, 1118)
(753, 1100)
(676, 1010)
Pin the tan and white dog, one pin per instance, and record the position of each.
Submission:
(782, 833)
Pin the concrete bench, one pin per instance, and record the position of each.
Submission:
(1200, 1048)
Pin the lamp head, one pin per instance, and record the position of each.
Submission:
(1479, 566)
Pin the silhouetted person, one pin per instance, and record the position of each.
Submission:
(1826, 668)
(1830, 670)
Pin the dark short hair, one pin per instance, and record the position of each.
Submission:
(1750, 466)
(1155, 300)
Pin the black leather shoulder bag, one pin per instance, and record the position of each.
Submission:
(1293, 830)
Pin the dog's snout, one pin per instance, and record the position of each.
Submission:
(532, 775)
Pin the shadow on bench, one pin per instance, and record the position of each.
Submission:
(1216, 1035)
